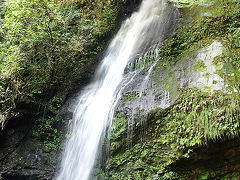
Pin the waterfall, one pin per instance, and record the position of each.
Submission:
(95, 108)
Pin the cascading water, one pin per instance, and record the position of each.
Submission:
(94, 111)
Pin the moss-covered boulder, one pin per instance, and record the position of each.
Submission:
(196, 76)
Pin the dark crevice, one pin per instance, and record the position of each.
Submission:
(18, 177)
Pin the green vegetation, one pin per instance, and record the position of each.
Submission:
(198, 32)
(145, 61)
(200, 66)
(119, 128)
(49, 128)
(231, 58)
(131, 96)
(47, 44)
(196, 118)
(46, 131)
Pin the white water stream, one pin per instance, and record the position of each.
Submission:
(94, 111)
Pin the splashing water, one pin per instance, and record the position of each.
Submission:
(94, 111)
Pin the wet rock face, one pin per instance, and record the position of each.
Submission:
(153, 86)
(21, 156)
(30, 143)
(198, 70)
(140, 91)
(206, 14)
(201, 75)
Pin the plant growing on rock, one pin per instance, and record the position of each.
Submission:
(46, 44)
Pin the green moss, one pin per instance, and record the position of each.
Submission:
(171, 84)
(119, 126)
(231, 60)
(200, 66)
(47, 131)
(127, 97)
(200, 32)
(145, 61)
(57, 101)
(203, 117)
(196, 118)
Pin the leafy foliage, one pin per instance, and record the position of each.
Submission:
(196, 117)
(47, 131)
(131, 96)
(44, 44)
(199, 31)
